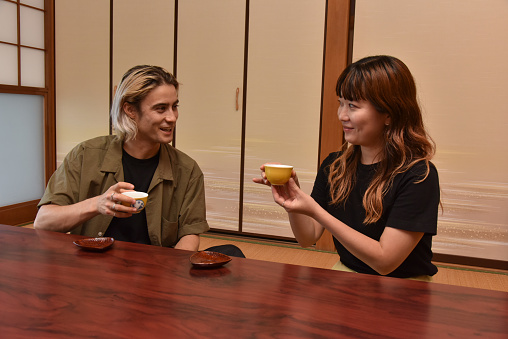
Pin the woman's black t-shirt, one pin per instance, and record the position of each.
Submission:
(407, 206)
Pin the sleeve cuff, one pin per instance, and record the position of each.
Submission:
(197, 228)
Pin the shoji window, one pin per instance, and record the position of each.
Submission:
(22, 46)
(26, 113)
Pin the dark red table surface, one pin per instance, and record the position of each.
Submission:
(50, 288)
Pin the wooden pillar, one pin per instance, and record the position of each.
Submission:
(336, 58)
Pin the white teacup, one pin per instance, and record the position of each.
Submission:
(141, 199)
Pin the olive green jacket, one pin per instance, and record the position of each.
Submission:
(176, 200)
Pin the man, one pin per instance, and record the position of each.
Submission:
(84, 196)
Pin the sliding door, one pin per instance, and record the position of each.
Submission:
(277, 120)
(143, 34)
(210, 70)
(283, 102)
(82, 72)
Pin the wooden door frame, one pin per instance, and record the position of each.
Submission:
(337, 55)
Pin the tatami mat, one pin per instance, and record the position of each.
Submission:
(289, 253)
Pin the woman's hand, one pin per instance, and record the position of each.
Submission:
(264, 181)
(293, 199)
(300, 208)
(110, 202)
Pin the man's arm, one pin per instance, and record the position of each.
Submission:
(65, 218)
(188, 242)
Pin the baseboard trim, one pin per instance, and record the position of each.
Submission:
(17, 214)
(470, 261)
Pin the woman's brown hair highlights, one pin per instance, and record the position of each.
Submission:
(388, 85)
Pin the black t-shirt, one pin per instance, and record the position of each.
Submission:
(138, 172)
(406, 206)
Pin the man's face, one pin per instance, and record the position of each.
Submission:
(157, 117)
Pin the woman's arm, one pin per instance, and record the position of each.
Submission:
(306, 230)
(383, 256)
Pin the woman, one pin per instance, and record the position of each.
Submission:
(379, 198)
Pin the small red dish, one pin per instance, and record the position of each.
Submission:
(95, 244)
(208, 259)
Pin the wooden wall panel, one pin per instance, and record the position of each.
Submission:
(18, 214)
(335, 60)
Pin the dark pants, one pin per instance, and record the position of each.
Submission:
(231, 250)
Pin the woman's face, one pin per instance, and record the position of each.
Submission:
(363, 125)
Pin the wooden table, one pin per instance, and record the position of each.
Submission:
(49, 288)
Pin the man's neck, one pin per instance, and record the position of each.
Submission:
(141, 150)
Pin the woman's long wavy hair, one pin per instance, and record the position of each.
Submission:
(135, 85)
(388, 85)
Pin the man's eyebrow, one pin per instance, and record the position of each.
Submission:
(164, 104)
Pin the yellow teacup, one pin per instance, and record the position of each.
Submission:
(141, 199)
(278, 174)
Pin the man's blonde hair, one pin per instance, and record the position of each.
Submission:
(135, 85)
